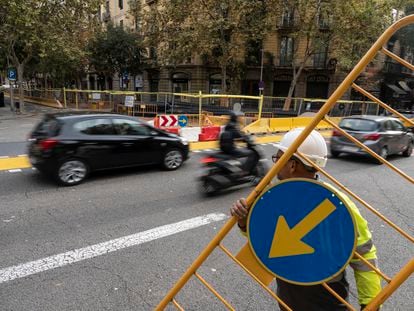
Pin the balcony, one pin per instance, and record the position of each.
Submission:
(287, 23)
(106, 17)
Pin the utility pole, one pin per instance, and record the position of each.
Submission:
(261, 82)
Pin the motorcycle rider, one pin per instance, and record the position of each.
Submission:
(231, 134)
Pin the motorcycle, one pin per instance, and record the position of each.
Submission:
(222, 171)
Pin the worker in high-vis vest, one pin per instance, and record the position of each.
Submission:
(316, 297)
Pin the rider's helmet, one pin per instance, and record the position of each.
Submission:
(314, 146)
(234, 117)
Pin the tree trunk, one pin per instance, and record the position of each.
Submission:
(20, 71)
(296, 75)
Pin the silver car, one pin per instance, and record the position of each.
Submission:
(384, 135)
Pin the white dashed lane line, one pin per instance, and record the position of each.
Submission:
(70, 257)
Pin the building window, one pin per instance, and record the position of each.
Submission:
(286, 51)
(180, 82)
(153, 53)
(320, 57)
(287, 18)
(281, 85)
(324, 22)
(121, 4)
(253, 52)
(317, 86)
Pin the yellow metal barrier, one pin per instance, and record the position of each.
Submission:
(285, 124)
(281, 124)
(304, 121)
(393, 282)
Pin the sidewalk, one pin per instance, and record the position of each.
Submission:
(30, 110)
(15, 127)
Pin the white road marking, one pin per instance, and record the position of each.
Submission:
(63, 259)
(4, 157)
(22, 155)
(17, 170)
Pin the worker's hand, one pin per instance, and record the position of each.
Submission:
(240, 210)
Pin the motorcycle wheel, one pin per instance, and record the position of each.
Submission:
(209, 187)
(258, 173)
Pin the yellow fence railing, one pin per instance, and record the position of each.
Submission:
(393, 282)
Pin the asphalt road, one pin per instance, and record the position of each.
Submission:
(39, 220)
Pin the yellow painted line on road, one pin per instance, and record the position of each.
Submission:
(14, 163)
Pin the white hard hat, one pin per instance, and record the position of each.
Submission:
(314, 146)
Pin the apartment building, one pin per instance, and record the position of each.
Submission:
(270, 62)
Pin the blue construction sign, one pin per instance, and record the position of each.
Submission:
(182, 121)
(12, 74)
(302, 231)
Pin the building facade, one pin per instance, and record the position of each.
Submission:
(270, 62)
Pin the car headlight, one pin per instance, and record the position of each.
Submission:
(184, 141)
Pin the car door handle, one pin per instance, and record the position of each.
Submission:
(127, 144)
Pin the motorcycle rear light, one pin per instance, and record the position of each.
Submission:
(48, 144)
(374, 136)
(208, 160)
(336, 133)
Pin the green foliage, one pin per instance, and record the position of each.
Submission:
(215, 29)
(115, 51)
(38, 33)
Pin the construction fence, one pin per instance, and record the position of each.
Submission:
(149, 104)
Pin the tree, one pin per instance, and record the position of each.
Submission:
(33, 29)
(215, 29)
(346, 29)
(116, 50)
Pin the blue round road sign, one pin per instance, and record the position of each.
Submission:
(302, 231)
(182, 121)
(11, 74)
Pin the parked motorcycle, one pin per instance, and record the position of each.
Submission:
(222, 171)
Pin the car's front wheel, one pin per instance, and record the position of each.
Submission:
(383, 154)
(173, 159)
(72, 172)
(409, 150)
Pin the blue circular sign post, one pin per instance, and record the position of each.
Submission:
(12, 74)
(182, 121)
(302, 231)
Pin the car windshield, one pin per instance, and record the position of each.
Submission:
(360, 125)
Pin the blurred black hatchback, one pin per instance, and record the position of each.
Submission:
(384, 135)
(70, 145)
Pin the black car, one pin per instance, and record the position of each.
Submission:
(384, 135)
(70, 145)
